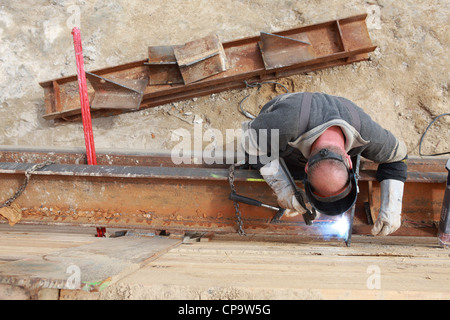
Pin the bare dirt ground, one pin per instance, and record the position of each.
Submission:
(404, 85)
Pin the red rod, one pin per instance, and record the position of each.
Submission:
(84, 99)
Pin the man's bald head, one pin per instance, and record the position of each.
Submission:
(328, 177)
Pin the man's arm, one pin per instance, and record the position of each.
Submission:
(394, 170)
(391, 154)
(268, 135)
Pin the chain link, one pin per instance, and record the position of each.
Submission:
(25, 182)
(240, 223)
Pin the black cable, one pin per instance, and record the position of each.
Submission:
(421, 139)
(259, 85)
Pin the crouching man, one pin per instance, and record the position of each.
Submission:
(318, 134)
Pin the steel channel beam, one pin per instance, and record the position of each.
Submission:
(420, 169)
(182, 199)
(335, 43)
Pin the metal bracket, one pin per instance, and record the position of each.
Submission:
(200, 59)
(113, 95)
(279, 51)
(163, 66)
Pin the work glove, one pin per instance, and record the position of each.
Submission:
(275, 177)
(389, 218)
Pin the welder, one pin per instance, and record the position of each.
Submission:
(317, 136)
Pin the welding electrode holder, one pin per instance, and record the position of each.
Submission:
(309, 215)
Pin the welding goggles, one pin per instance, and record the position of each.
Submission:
(336, 204)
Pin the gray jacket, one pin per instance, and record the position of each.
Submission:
(363, 135)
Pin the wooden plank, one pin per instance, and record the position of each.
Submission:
(21, 247)
(413, 268)
(23, 241)
(97, 264)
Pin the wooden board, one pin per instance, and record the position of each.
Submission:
(24, 241)
(98, 263)
(228, 267)
(373, 268)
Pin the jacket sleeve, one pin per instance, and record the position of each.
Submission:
(385, 149)
(267, 136)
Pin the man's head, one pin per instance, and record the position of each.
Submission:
(328, 176)
(330, 185)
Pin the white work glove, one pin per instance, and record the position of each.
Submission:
(389, 218)
(275, 177)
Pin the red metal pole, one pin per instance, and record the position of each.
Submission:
(84, 99)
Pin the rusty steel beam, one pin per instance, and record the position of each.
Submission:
(171, 171)
(144, 191)
(174, 199)
(420, 169)
(332, 43)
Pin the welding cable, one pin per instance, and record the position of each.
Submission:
(253, 85)
(421, 139)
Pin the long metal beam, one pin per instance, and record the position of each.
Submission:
(144, 191)
(331, 43)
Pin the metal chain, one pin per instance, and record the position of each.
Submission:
(25, 182)
(240, 224)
